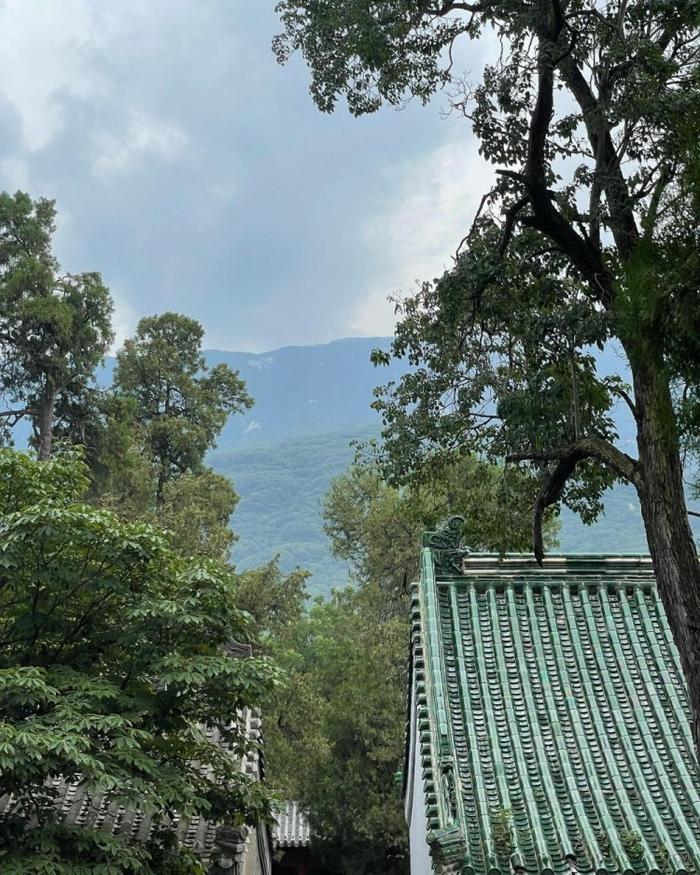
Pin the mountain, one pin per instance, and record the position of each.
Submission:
(311, 404)
(282, 487)
(300, 390)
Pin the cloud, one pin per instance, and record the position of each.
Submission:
(42, 57)
(196, 174)
(418, 228)
(142, 140)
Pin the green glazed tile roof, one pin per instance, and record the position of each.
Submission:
(552, 718)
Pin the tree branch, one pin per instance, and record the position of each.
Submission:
(471, 230)
(511, 216)
(546, 217)
(449, 6)
(548, 495)
(617, 390)
(608, 169)
(566, 459)
(585, 448)
(12, 417)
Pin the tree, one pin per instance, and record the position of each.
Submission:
(334, 728)
(54, 327)
(590, 236)
(275, 601)
(152, 431)
(195, 506)
(114, 660)
(335, 732)
(180, 403)
(352, 668)
(196, 509)
(377, 527)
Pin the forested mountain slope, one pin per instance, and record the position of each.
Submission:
(301, 390)
(311, 403)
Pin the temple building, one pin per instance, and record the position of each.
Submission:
(222, 849)
(548, 719)
(291, 838)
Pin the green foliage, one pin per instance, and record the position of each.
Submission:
(370, 52)
(335, 735)
(194, 507)
(181, 404)
(377, 527)
(282, 486)
(54, 327)
(632, 843)
(274, 600)
(589, 234)
(502, 831)
(123, 474)
(507, 373)
(113, 664)
(151, 431)
(339, 734)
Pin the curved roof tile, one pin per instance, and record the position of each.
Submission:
(292, 828)
(552, 718)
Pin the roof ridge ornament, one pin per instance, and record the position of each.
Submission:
(444, 543)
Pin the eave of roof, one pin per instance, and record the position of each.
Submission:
(552, 717)
(212, 842)
(291, 829)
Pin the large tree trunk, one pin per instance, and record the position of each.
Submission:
(662, 501)
(44, 423)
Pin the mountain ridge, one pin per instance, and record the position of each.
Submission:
(311, 403)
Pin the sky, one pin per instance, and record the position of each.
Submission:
(196, 174)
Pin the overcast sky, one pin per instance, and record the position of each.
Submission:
(196, 175)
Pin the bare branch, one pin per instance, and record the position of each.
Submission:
(608, 168)
(511, 216)
(617, 390)
(449, 6)
(12, 417)
(467, 236)
(545, 216)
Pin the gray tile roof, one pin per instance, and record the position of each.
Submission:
(207, 839)
(292, 828)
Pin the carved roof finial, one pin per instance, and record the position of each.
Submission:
(444, 544)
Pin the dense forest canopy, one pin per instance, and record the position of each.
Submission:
(113, 661)
(119, 602)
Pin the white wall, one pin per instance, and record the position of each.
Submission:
(415, 813)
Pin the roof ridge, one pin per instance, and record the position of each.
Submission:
(459, 562)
